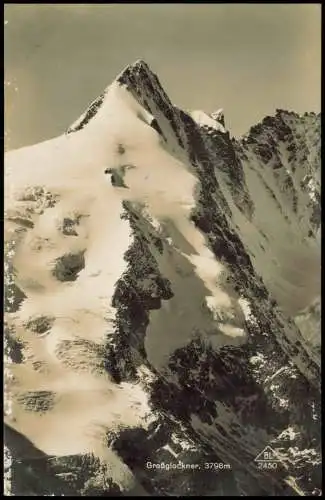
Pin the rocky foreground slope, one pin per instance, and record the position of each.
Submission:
(156, 274)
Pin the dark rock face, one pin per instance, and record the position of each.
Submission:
(90, 113)
(289, 144)
(69, 226)
(14, 346)
(40, 401)
(210, 405)
(140, 290)
(40, 324)
(68, 266)
(36, 474)
(145, 87)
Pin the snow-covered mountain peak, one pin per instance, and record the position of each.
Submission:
(137, 73)
(138, 89)
(154, 269)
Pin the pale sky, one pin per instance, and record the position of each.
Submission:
(248, 59)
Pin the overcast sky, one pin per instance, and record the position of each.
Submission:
(248, 59)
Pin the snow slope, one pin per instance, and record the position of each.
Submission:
(154, 267)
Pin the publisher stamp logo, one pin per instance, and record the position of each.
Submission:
(268, 459)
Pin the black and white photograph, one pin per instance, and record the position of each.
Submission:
(162, 249)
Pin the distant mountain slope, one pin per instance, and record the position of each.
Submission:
(154, 268)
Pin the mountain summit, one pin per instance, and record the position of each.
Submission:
(160, 279)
